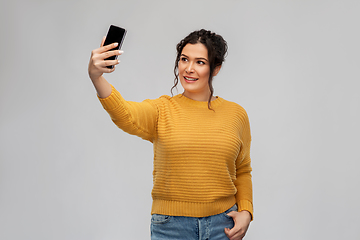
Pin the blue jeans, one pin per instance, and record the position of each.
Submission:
(165, 227)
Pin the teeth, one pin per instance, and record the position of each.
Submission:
(190, 79)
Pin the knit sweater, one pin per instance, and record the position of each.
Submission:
(202, 161)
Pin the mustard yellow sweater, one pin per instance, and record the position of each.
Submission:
(201, 156)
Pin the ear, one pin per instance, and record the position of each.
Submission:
(217, 70)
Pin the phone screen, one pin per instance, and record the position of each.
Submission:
(115, 34)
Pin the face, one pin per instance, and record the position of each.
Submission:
(194, 71)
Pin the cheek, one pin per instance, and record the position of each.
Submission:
(204, 73)
(180, 67)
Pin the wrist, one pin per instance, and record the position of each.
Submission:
(246, 213)
(95, 79)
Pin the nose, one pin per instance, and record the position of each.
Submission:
(189, 68)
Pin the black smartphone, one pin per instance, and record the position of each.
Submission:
(115, 34)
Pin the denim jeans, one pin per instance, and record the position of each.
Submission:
(165, 227)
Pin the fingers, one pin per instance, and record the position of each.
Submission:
(102, 66)
(106, 48)
(240, 226)
(100, 58)
(227, 232)
(98, 65)
(108, 54)
(111, 63)
(234, 234)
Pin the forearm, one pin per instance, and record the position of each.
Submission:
(103, 88)
(243, 183)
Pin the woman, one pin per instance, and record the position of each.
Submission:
(202, 173)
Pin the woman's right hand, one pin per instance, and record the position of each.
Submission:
(97, 63)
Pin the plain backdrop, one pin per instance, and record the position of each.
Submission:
(67, 172)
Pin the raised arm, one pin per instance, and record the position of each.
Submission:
(97, 67)
(132, 117)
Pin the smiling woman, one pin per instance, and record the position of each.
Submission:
(202, 169)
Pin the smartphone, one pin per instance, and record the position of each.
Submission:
(115, 34)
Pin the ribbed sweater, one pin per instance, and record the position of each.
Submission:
(202, 163)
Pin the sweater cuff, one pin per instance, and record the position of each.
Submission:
(245, 205)
(112, 101)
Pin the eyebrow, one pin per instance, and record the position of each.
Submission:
(200, 58)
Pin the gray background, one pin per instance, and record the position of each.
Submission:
(67, 172)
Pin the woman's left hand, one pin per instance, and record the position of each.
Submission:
(242, 221)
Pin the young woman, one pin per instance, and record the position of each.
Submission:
(202, 172)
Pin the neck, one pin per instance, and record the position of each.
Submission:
(198, 97)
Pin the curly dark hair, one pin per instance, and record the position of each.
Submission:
(217, 50)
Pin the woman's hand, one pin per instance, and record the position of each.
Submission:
(97, 64)
(242, 221)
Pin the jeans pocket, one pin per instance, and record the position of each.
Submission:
(233, 208)
(160, 219)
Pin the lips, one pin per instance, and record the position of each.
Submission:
(189, 79)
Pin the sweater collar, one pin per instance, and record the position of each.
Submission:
(202, 104)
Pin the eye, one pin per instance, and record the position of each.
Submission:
(201, 62)
(183, 59)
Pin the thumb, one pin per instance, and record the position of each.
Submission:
(231, 214)
(230, 232)
(103, 41)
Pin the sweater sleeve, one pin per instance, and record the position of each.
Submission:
(136, 118)
(243, 181)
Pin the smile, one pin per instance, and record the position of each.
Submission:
(190, 79)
